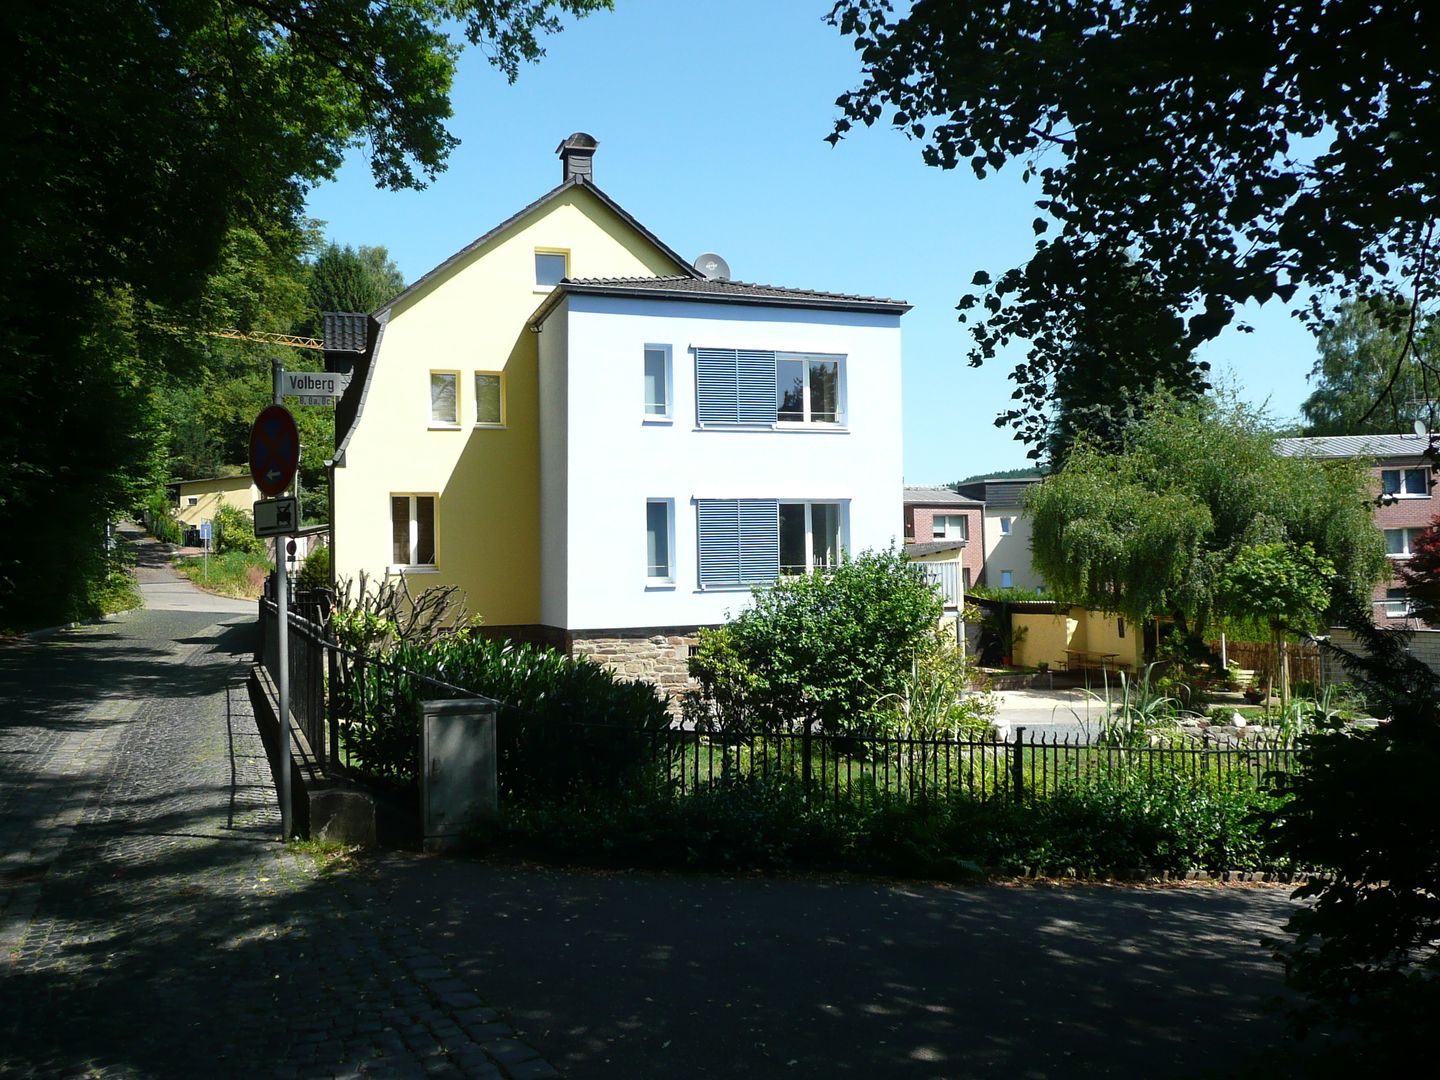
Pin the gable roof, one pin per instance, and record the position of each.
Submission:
(1354, 446)
(937, 496)
(549, 197)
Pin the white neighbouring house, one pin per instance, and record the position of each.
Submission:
(700, 437)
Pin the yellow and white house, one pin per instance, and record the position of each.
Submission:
(602, 446)
(197, 500)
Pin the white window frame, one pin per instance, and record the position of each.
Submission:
(1401, 490)
(1408, 535)
(413, 567)
(842, 544)
(661, 581)
(939, 532)
(1007, 579)
(1007, 524)
(443, 425)
(668, 415)
(809, 422)
(708, 363)
(489, 423)
(535, 266)
(192, 500)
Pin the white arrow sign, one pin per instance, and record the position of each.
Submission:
(314, 387)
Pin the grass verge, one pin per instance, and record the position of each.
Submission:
(234, 573)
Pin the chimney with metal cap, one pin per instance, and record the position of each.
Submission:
(577, 156)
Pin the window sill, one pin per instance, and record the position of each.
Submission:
(436, 426)
(395, 571)
(659, 585)
(1400, 555)
(492, 427)
(652, 418)
(1398, 496)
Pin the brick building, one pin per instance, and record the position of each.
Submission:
(1405, 476)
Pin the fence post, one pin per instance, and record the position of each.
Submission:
(332, 694)
(1017, 766)
(805, 743)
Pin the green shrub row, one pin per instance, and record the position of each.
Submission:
(545, 745)
(1105, 827)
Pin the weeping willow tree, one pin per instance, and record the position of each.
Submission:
(1150, 529)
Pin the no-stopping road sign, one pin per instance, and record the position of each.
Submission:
(274, 450)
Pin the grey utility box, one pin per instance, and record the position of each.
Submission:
(459, 791)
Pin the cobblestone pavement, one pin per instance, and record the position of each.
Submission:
(151, 924)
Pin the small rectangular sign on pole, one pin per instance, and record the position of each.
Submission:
(276, 517)
(314, 387)
(205, 532)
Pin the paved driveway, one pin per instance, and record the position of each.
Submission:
(1060, 714)
(162, 589)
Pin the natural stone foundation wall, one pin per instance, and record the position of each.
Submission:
(656, 655)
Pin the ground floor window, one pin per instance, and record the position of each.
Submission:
(659, 541)
(752, 541)
(809, 536)
(412, 530)
(1397, 603)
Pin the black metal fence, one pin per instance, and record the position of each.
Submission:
(836, 766)
(306, 664)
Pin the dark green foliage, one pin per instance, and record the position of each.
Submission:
(315, 572)
(1238, 152)
(1421, 574)
(344, 279)
(825, 647)
(1362, 805)
(1363, 382)
(1002, 474)
(235, 531)
(1148, 823)
(137, 138)
(545, 742)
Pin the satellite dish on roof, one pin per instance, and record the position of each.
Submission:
(1420, 428)
(713, 267)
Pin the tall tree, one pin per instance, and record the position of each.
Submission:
(135, 137)
(1152, 528)
(1358, 388)
(350, 279)
(1238, 151)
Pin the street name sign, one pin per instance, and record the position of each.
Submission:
(313, 387)
(274, 450)
(276, 517)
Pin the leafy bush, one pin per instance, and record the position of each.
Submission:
(1151, 823)
(547, 741)
(315, 571)
(235, 531)
(826, 647)
(159, 517)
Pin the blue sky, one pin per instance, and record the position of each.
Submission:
(711, 119)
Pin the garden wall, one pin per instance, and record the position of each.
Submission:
(1424, 645)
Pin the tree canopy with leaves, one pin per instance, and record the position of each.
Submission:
(1358, 389)
(1152, 528)
(1238, 151)
(136, 139)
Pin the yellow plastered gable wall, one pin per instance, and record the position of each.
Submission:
(473, 317)
(209, 495)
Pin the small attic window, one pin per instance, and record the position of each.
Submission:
(550, 268)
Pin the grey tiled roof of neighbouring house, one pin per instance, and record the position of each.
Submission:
(937, 496)
(934, 547)
(345, 331)
(1354, 446)
(708, 290)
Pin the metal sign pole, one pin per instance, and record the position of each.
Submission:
(282, 604)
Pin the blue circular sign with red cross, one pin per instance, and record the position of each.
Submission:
(274, 450)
